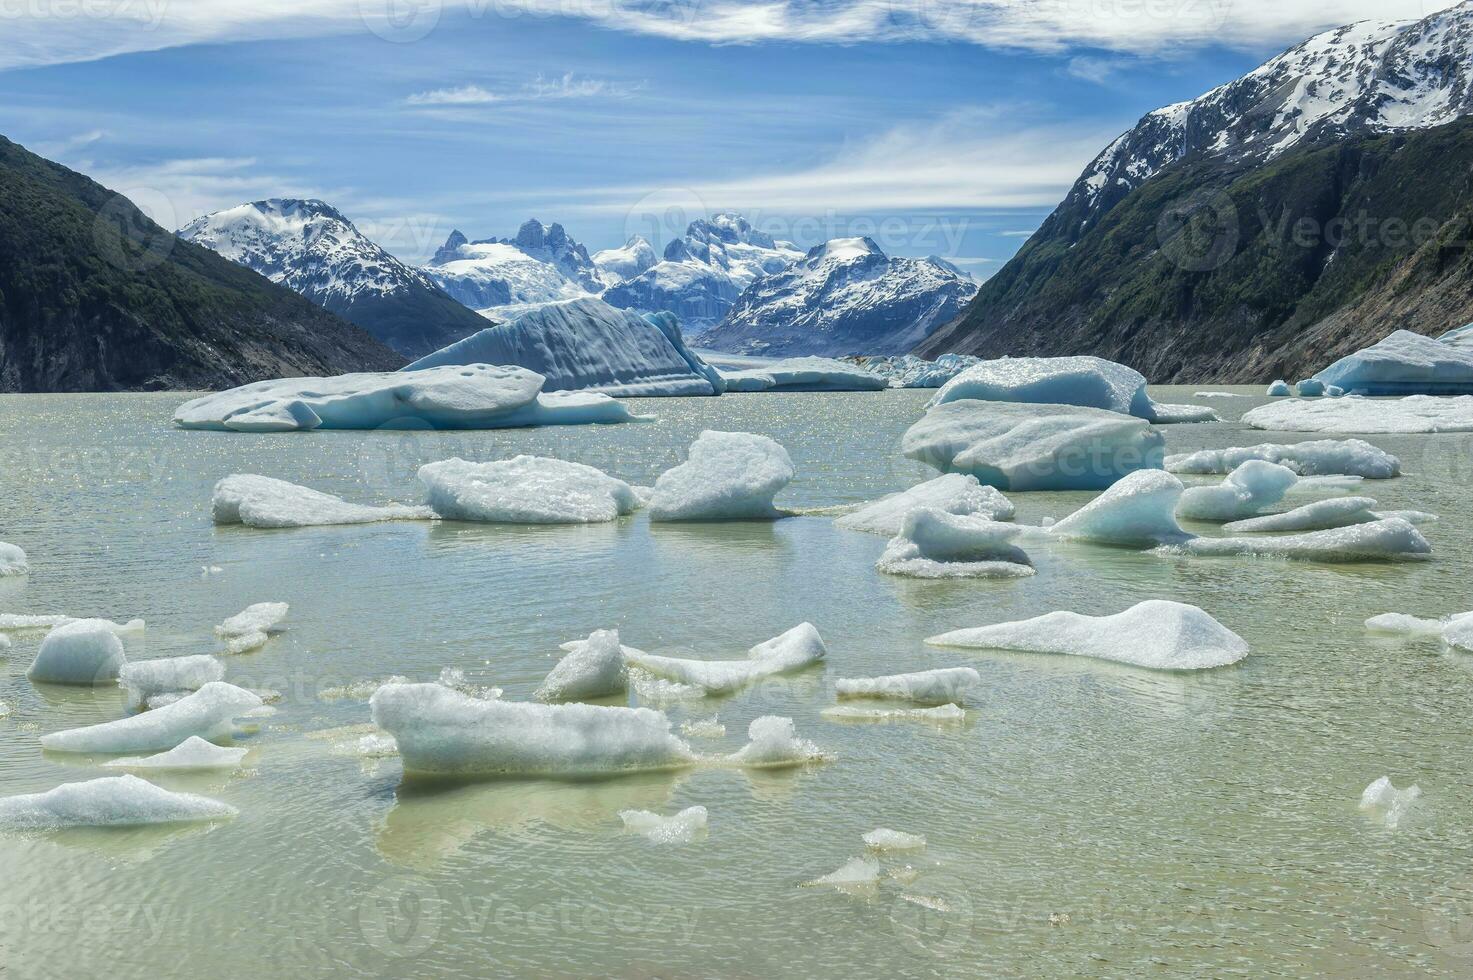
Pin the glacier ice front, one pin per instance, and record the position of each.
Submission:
(113, 801)
(954, 493)
(470, 396)
(265, 502)
(1320, 457)
(1403, 363)
(936, 544)
(526, 490)
(727, 476)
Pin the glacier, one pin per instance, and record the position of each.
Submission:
(909, 371)
(1321, 457)
(682, 828)
(144, 679)
(525, 490)
(954, 493)
(773, 743)
(1317, 516)
(727, 476)
(1387, 803)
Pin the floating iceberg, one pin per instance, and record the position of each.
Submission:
(85, 651)
(191, 755)
(935, 544)
(1318, 516)
(144, 679)
(115, 801)
(21, 623)
(682, 828)
(794, 650)
(1163, 414)
(1334, 391)
(1388, 539)
(805, 374)
(728, 476)
(252, 627)
(1137, 512)
(1309, 388)
(1404, 363)
(1247, 490)
(1280, 389)
(1157, 633)
(472, 396)
(1454, 631)
(954, 493)
(1086, 382)
(440, 731)
(1033, 446)
(773, 743)
(261, 501)
(1387, 803)
(943, 714)
(1352, 414)
(210, 713)
(586, 344)
(1322, 457)
(925, 687)
(526, 490)
(860, 872)
(593, 668)
(885, 839)
(13, 560)
(909, 371)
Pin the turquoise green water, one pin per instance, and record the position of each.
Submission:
(1087, 818)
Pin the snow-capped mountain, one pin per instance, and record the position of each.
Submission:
(704, 271)
(540, 265)
(310, 247)
(617, 264)
(844, 297)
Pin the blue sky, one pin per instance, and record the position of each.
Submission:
(945, 127)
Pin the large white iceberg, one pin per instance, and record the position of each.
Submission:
(925, 687)
(794, 650)
(1320, 457)
(1247, 491)
(1139, 511)
(1034, 447)
(1415, 413)
(727, 476)
(114, 801)
(936, 544)
(143, 679)
(262, 501)
(470, 396)
(193, 754)
(586, 344)
(1087, 382)
(954, 493)
(1404, 363)
(13, 560)
(593, 668)
(526, 490)
(1157, 633)
(441, 731)
(85, 651)
(210, 713)
(805, 374)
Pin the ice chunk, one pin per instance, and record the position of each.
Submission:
(941, 714)
(1157, 633)
(1387, 803)
(471, 396)
(192, 754)
(1139, 511)
(1401, 623)
(146, 679)
(85, 651)
(909, 371)
(727, 476)
(1090, 382)
(1034, 447)
(1218, 394)
(586, 344)
(859, 872)
(1322, 457)
(1352, 414)
(682, 828)
(1310, 388)
(703, 728)
(21, 623)
(885, 839)
(926, 686)
(594, 668)
(252, 627)
(805, 374)
(115, 801)
(1389, 539)
(774, 743)
(13, 560)
(526, 490)
(1404, 363)
(1322, 514)
(445, 732)
(794, 650)
(1280, 389)
(262, 501)
(1163, 414)
(954, 493)
(935, 544)
(1334, 391)
(210, 713)
(1249, 489)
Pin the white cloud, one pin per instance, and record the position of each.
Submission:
(462, 96)
(567, 86)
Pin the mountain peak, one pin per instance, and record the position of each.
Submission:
(844, 250)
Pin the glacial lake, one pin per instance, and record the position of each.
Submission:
(1086, 818)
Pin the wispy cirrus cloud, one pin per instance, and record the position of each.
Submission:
(566, 86)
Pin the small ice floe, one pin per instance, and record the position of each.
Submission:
(593, 668)
(703, 728)
(192, 754)
(265, 502)
(205, 571)
(1387, 539)
(1318, 516)
(252, 627)
(1157, 633)
(13, 560)
(211, 713)
(1139, 511)
(804, 374)
(885, 839)
(794, 650)
(1217, 394)
(440, 731)
(925, 687)
(1387, 803)
(147, 680)
(936, 544)
(1247, 491)
(954, 493)
(682, 828)
(1309, 388)
(84, 652)
(1280, 389)
(115, 801)
(727, 476)
(526, 490)
(1353, 415)
(1321, 457)
(773, 744)
(856, 874)
(941, 714)
(1455, 631)
(5, 643)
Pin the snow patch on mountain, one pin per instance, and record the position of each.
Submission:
(540, 265)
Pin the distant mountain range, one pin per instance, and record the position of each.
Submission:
(1279, 221)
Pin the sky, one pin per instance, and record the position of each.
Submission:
(936, 127)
